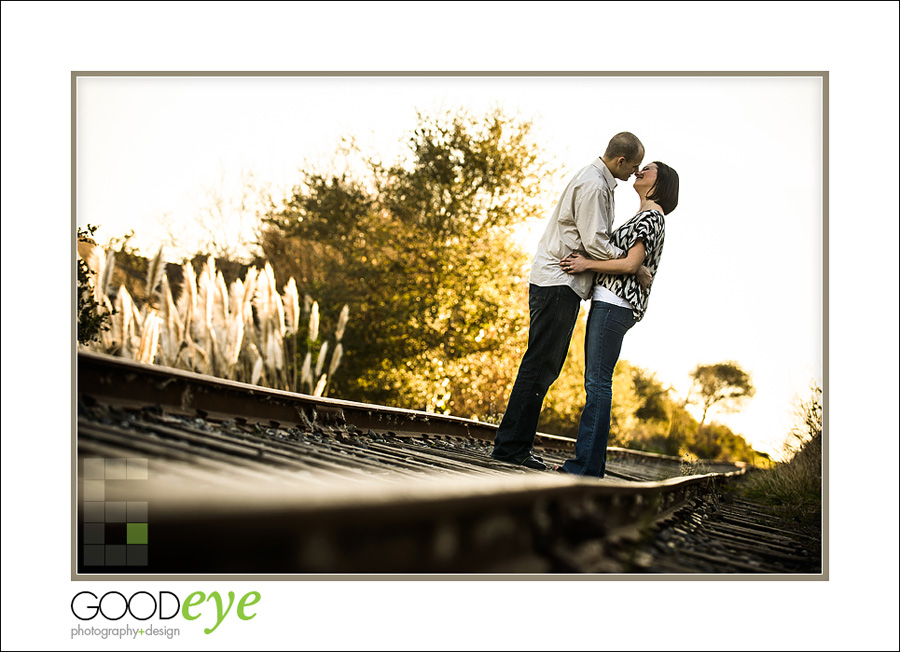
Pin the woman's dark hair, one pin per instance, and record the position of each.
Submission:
(665, 191)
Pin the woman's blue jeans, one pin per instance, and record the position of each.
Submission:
(606, 328)
(553, 312)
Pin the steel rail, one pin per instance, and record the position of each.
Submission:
(113, 378)
(289, 483)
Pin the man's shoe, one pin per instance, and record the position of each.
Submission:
(530, 461)
(533, 463)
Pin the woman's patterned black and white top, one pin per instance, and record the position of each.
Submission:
(649, 226)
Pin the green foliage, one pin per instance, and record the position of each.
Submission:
(809, 421)
(93, 319)
(654, 397)
(422, 252)
(796, 485)
(465, 176)
(715, 441)
(725, 385)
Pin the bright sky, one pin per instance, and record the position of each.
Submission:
(731, 186)
(149, 146)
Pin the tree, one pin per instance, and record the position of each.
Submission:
(226, 226)
(422, 252)
(93, 316)
(653, 396)
(724, 385)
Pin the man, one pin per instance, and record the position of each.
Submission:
(581, 222)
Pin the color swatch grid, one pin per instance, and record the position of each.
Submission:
(115, 532)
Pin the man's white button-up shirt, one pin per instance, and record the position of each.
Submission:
(582, 221)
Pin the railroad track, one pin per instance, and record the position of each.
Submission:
(182, 473)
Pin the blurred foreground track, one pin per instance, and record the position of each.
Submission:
(248, 480)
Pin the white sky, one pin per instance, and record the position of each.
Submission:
(148, 146)
(856, 42)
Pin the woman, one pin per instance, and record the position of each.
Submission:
(618, 303)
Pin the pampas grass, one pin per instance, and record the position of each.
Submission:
(342, 323)
(155, 271)
(314, 322)
(172, 330)
(246, 332)
(314, 381)
(291, 306)
(320, 361)
(149, 338)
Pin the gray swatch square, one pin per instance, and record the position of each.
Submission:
(137, 468)
(94, 555)
(115, 468)
(94, 532)
(115, 555)
(94, 468)
(94, 512)
(137, 512)
(137, 555)
(94, 490)
(115, 512)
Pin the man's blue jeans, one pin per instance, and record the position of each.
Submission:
(606, 328)
(553, 312)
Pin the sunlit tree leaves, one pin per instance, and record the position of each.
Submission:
(422, 250)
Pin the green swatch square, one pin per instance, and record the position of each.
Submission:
(136, 533)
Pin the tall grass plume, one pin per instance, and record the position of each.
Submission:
(246, 331)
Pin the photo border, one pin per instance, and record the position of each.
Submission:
(823, 576)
